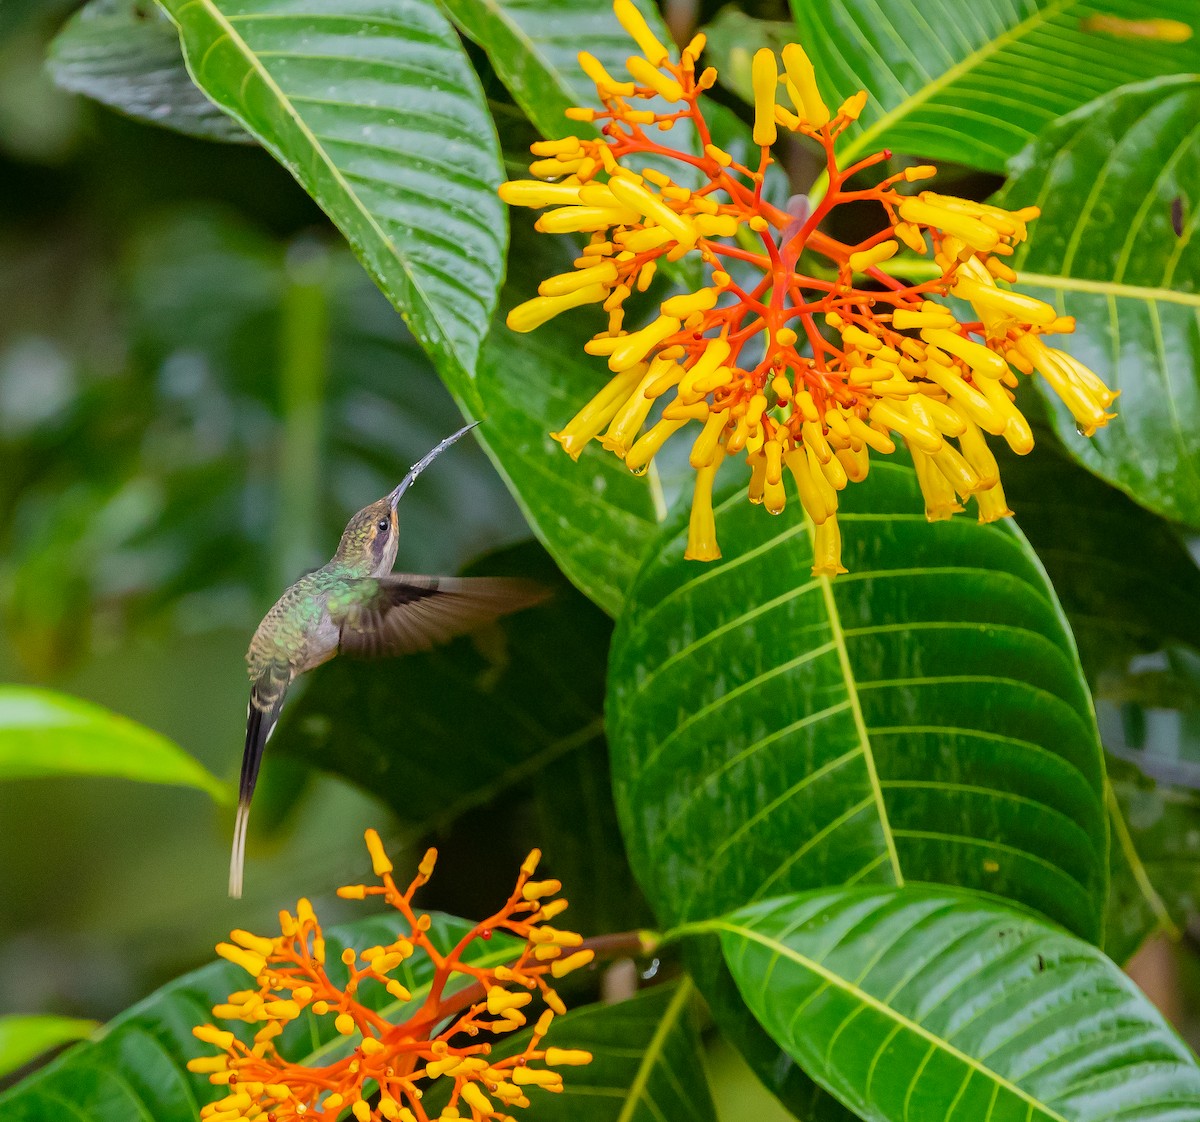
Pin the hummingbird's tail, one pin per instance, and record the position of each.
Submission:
(266, 700)
(237, 859)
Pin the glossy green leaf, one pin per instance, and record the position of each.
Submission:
(125, 54)
(1105, 251)
(923, 717)
(1155, 859)
(534, 46)
(25, 1038)
(975, 86)
(136, 1069)
(1098, 547)
(927, 1003)
(44, 733)
(376, 111)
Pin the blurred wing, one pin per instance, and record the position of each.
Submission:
(410, 613)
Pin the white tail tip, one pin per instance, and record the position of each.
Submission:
(237, 859)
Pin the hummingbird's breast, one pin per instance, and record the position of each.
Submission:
(297, 630)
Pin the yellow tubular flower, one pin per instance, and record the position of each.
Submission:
(802, 76)
(643, 203)
(632, 349)
(582, 219)
(737, 358)
(646, 74)
(702, 527)
(605, 83)
(811, 497)
(876, 255)
(940, 500)
(581, 278)
(975, 233)
(532, 192)
(705, 448)
(647, 446)
(533, 313)
(764, 76)
(992, 504)
(635, 24)
(827, 549)
(591, 419)
(630, 417)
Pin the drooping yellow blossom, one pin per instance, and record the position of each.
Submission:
(802, 375)
(389, 1066)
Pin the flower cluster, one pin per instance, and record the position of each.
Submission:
(388, 1071)
(803, 373)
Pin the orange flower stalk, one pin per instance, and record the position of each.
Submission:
(804, 374)
(391, 1066)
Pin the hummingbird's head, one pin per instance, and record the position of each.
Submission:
(370, 539)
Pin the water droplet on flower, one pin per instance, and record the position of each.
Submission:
(486, 933)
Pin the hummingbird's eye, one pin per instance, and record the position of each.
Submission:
(382, 525)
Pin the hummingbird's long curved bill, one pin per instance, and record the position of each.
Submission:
(425, 461)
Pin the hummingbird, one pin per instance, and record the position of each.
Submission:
(356, 605)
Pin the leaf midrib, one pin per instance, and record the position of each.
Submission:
(1114, 288)
(252, 61)
(655, 1049)
(868, 136)
(845, 986)
(860, 724)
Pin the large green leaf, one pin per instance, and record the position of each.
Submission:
(44, 733)
(374, 108)
(975, 85)
(1104, 250)
(1155, 859)
(928, 1003)
(125, 54)
(534, 46)
(24, 1038)
(922, 718)
(1098, 547)
(136, 1068)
